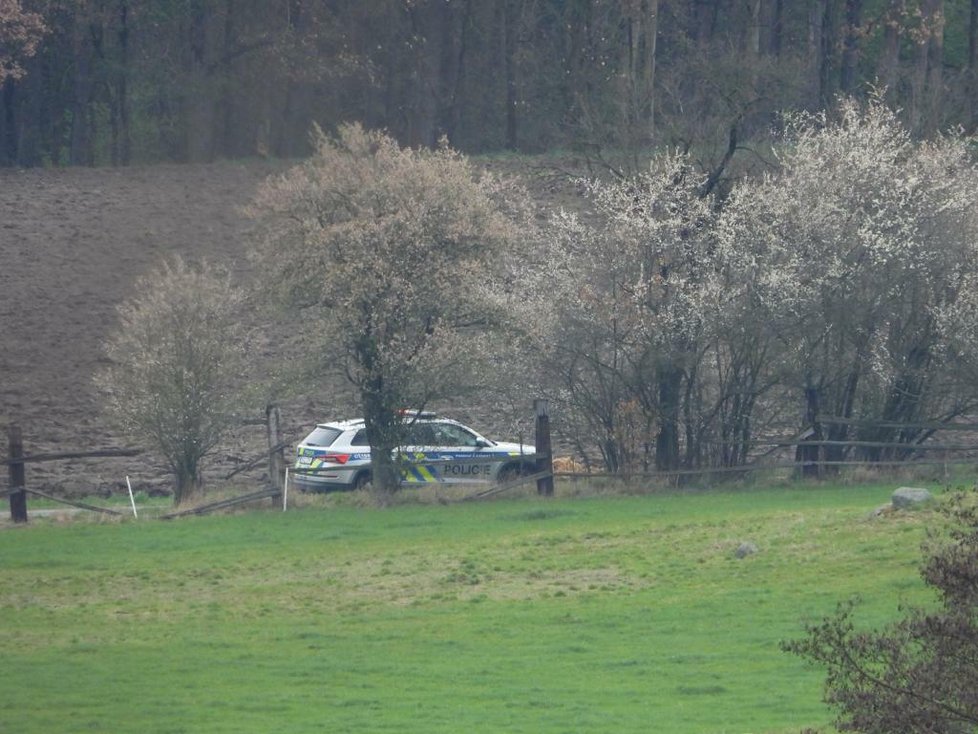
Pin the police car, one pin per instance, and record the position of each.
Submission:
(437, 450)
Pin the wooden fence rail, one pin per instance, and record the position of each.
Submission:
(15, 463)
(269, 492)
(98, 453)
(16, 460)
(543, 473)
(923, 426)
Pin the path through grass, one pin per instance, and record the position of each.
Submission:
(587, 615)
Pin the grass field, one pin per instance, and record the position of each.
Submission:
(622, 614)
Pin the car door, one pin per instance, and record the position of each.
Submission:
(465, 456)
(418, 457)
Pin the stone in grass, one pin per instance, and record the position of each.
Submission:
(908, 497)
(745, 549)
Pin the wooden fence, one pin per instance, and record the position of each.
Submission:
(18, 490)
(16, 460)
(543, 473)
(965, 453)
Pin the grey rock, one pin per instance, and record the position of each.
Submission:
(906, 497)
(745, 549)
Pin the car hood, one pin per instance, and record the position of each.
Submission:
(509, 447)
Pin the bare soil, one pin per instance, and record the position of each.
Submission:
(72, 241)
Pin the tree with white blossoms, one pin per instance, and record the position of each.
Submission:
(839, 284)
(856, 247)
(175, 367)
(395, 261)
(634, 287)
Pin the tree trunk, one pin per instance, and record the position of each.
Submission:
(224, 121)
(808, 454)
(704, 19)
(8, 150)
(850, 52)
(642, 19)
(753, 41)
(383, 428)
(198, 119)
(667, 441)
(777, 29)
(827, 57)
(186, 480)
(816, 16)
(935, 67)
(973, 63)
(927, 78)
(843, 409)
(80, 149)
(889, 56)
(651, 32)
(121, 133)
(453, 70)
(510, 13)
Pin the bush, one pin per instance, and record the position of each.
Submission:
(920, 674)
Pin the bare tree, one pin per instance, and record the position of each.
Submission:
(394, 259)
(176, 363)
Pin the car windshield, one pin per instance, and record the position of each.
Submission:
(322, 436)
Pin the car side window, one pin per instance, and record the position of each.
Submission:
(421, 434)
(360, 438)
(449, 435)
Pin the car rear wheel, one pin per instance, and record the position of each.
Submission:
(362, 481)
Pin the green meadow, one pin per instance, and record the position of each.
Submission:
(607, 614)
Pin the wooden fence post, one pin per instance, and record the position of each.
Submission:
(276, 454)
(15, 470)
(545, 459)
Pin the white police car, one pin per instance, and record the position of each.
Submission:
(438, 450)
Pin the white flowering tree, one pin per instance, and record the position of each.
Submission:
(860, 245)
(636, 286)
(176, 360)
(395, 260)
(841, 284)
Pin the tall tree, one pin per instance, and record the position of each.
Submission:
(973, 62)
(871, 238)
(926, 85)
(851, 46)
(640, 277)
(393, 257)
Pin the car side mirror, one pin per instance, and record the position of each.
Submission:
(481, 443)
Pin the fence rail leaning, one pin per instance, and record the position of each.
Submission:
(17, 474)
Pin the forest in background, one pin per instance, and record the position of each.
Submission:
(95, 82)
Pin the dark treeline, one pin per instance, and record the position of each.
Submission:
(124, 81)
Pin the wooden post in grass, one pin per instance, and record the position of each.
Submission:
(15, 470)
(276, 457)
(545, 459)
